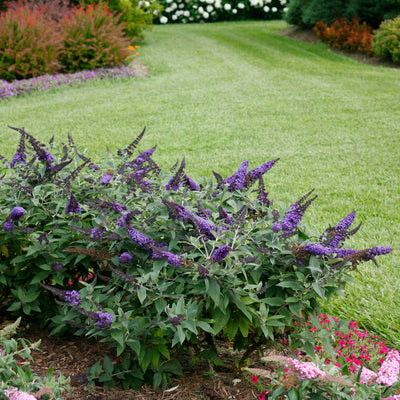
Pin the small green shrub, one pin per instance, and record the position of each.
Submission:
(30, 43)
(155, 263)
(17, 379)
(346, 35)
(93, 38)
(386, 40)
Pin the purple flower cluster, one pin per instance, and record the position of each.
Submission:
(143, 157)
(340, 230)
(255, 173)
(317, 249)
(221, 253)
(72, 297)
(378, 251)
(73, 206)
(171, 258)
(17, 213)
(46, 157)
(106, 178)
(8, 226)
(140, 238)
(125, 258)
(104, 320)
(238, 179)
(190, 183)
(19, 157)
(45, 82)
(290, 220)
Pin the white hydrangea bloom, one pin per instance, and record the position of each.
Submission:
(286, 9)
(174, 17)
(227, 6)
(206, 15)
(163, 20)
(186, 13)
(234, 11)
(241, 5)
(209, 8)
(266, 8)
(201, 10)
(274, 9)
(283, 2)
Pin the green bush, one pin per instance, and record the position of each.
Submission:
(155, 263)
(307, 13)
(93, 38)
(30, 43)
(386, 40)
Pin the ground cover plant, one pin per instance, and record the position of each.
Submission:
(166, 263)
(314, 109)
(386, 39)
(17, 381)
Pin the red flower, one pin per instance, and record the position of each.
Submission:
(254, 379)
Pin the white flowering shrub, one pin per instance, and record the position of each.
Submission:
(220, 10)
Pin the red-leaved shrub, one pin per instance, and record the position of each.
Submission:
(350, 35)
(30, 43)
(94, 38)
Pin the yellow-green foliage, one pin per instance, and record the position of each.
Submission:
(9, 330)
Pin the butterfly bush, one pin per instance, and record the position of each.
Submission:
(155, 260)
(220, 10)
(45, 82)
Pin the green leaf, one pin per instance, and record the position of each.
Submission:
(40, 277)
(235, 298)
(26, 308)
(14, 306)
(291, 284)
(220, 318)
(205, 327)
(274, 301)
(296, 308)
(160, 305)
(213, 290)
(141, 292)
(319, 290)
(172, 367)
(244, 327)
(232, 328)
(108, 365)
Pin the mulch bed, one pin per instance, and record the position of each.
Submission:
(72, 356)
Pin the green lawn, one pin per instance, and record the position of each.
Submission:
(222, 93)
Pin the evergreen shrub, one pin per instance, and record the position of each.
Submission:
(386, 40)
(156, 263)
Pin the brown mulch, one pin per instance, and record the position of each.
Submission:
(72, 356)
(308, 36)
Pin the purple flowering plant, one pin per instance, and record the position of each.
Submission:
(155, 260)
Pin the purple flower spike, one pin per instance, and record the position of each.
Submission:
(140, 238)
(104, 320)
(18, 158)
(317, 249)
(73, 206)
(378, 251)
(254, 174)
(94, 166)
(8, 226)
(125, 258)
(339, 232)
(17, 213)
(171, 258)
(72, 297)
(190, 183)
(238, 179)
(143, 157)
(221, 253)
(340, 253)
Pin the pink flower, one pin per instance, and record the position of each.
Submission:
(254, 379)
(366, 375)
(15, 394)
(304, 370)
(389, 370)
